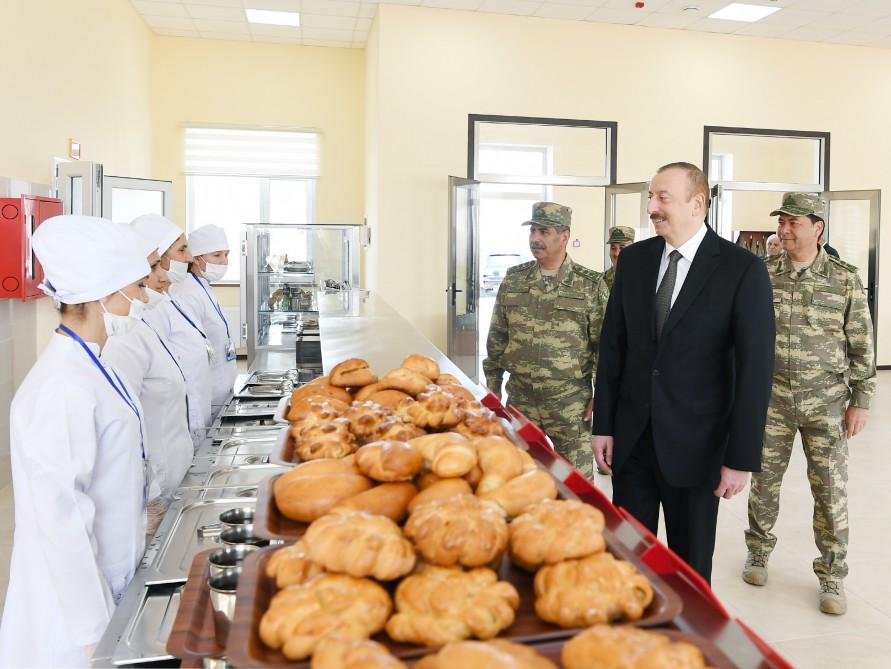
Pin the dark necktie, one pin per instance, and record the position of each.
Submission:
(665, 290)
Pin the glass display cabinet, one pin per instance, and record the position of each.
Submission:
(282, 268)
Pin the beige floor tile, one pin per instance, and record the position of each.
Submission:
(831, 651)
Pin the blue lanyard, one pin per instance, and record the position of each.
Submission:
(119, 387)
(169, 352)
(188, 320)
(216, 306)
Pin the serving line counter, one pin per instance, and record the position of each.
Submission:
(234, 460)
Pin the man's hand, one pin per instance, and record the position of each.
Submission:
(732, 482)
(589, 410)
(855, 420)
(603, 453)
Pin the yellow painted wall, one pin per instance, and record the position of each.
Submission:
(69, 69)
(439, 66)
(263, 85)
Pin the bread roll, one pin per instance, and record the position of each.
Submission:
(441, 604)
(593, 590)
(334, 605)
(499, 461)
(443, 489)
(327, 440)
(291, 566)
(457, 391)
(406, 380)
(333, 653)
(427, 479)
(365, 392)
(394, 429)
(628, 647)
(518, 494)
(457, 530)
(423, 365)
(480, 423)
(365, 420)
(387, 499)
(447, 379)
(352, 373)
(490, 654)
(311, 489)
(316, 389)
(389, 398)
(448, 455)
(315, 409)
(556, 530)
(389, 461)
(360, 544)
(433, 410)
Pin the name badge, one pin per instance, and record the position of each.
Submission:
(230, 351)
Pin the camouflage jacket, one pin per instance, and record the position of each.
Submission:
(609, 276)
(824, 330)
(546, 334)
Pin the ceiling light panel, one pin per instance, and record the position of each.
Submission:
(741, 11)
(273, 18)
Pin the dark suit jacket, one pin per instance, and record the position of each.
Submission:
(706, 384)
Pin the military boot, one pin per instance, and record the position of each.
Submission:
(755, 571)
(832, 597)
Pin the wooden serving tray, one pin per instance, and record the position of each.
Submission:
(194, 636)
(283, 451)
(255, 590)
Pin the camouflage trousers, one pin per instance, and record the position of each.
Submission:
(818, 414)
(562, 418)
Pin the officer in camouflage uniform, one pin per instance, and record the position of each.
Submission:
(545, 332)
(619, 237)
(824, 377)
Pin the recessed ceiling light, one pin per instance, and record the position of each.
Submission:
(691, 9)
(272, 18)
(740, 11)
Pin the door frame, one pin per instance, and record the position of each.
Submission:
(471, 288)
(109, 182)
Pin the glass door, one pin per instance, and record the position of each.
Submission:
(626, 204)
(125, 198)
(852, 228)
(463, 288)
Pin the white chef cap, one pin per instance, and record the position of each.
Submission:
(162, 230)
(85, 258)
(208, 239)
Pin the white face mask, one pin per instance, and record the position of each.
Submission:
(215, 272)
(154, 298)
(119, 325)
(178, 271)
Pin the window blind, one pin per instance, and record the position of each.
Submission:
(251, 153)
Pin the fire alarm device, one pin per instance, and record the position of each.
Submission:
(20, 272)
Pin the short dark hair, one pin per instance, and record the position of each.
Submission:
(697, 183)
(77, 310)
(818, 219)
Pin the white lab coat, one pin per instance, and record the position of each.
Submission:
(191, 353)
(191, 296)
(141, 359)
(77, 475)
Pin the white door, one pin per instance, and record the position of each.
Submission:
(463, 268)
(79, 186)
(125, 198)
(626, 204)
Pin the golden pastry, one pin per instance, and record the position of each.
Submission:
(442, 489)
(314, 410)
(395, 429)
(388, 397)
(321, 389)
(300, 616)
(291, 566)
(448, 455)
(335, 653)
(518, 494)
(365, 392)
(352, 373)
(327, 440)
(499, 460)
(556, 530)
(423, 365)
(387, 499)
(406, 380)
(480, 423)
(442, 604)
(626, 647)
(458, 391)
(389, 461)
(595, 589)
(433, 410)
(447, 379)
(492, 654)
(457, 530)
(360, 544)
(312, 488)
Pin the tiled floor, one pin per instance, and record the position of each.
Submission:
(785, 611)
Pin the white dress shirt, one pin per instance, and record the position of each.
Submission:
(688, 252)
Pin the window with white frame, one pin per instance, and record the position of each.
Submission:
(236, 176)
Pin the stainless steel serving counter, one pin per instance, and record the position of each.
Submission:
(227, 467)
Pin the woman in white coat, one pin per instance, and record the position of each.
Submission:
(150, 367)
(211, 250)
(78, 465)
(180, 331)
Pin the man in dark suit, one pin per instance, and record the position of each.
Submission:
(684, 378)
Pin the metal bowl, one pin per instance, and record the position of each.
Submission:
(237, 516)
(229, 556)
(241, 534)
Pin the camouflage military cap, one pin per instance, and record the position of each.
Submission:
(550, 214)
(620, 235)
(800, 204)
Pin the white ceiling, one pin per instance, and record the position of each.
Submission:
(345, 23)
